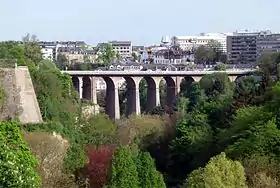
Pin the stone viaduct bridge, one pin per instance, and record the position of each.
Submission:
(85, 83)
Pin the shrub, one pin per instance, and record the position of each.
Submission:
(123, 170)
(75, 158)
(99, 130)
(17, 164)
(51, 150)
(148, 175)
(99, 160)
(262, 172)
(219, 172)
(141, 129)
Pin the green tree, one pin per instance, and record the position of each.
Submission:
(106, 53)
(61, 61)
(32, 50)
(190, 147)
(262, 171)
(209, 53)
(55, 93)
(143, 90)
(17, 164)
(12, 52)
(118, 57)
(219, 172)
(149, 177)
(216, 84)
(196, 96)
(202, 54)
(182, 106)
(124, 170)
(244, 129)
(135, 56)
(246, 91)
(259, 139)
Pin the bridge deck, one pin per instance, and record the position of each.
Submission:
(158, 73)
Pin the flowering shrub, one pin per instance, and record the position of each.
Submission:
(17, 164)
(98, 165)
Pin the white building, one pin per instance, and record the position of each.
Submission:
(48, 53)
(192, 42)
(49, 49)
(123, 48)
(173, 56)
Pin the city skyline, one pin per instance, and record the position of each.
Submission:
(142, 22)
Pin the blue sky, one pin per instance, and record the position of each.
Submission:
(142, 21)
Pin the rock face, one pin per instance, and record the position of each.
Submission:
(19, 98)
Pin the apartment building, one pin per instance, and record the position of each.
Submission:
(173, 55)
(124, 48)
(246, 47)
(242, 47)
(193, 42)
(268, 42)
(77, 54)
(49, 49)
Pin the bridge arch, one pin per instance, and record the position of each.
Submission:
(186, 83)
(132, 96)
(153, 99)
(75, 82)
(87, 88)
(112, 98)
(170, 91)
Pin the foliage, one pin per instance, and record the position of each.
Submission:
(148, 176)
(75, 158)
(193, 136)
(61, 61)
(99, 130)
(106, 54)
(98, 166)
(142, 130)
(182, 105)
(220, 67)
(210, 53)
(219, 172)
(12, 51)
(51, 151)
(135, 56)
(17, 164)
(262, 139)
(55, 93)
(243, 121)
(246, 91)
(261, 171)
(124, 170)
(216, 84)
(32, 50)
(143, 91)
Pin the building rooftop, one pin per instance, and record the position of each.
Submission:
(124, 43)
(199, 37)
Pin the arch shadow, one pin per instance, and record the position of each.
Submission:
(75, 82)
(111, 103)
(87, 88)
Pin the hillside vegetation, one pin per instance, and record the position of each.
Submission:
(219, 134)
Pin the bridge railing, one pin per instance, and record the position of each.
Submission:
(194, 72)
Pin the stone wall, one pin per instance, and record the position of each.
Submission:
(10, 105)
(19, 102)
